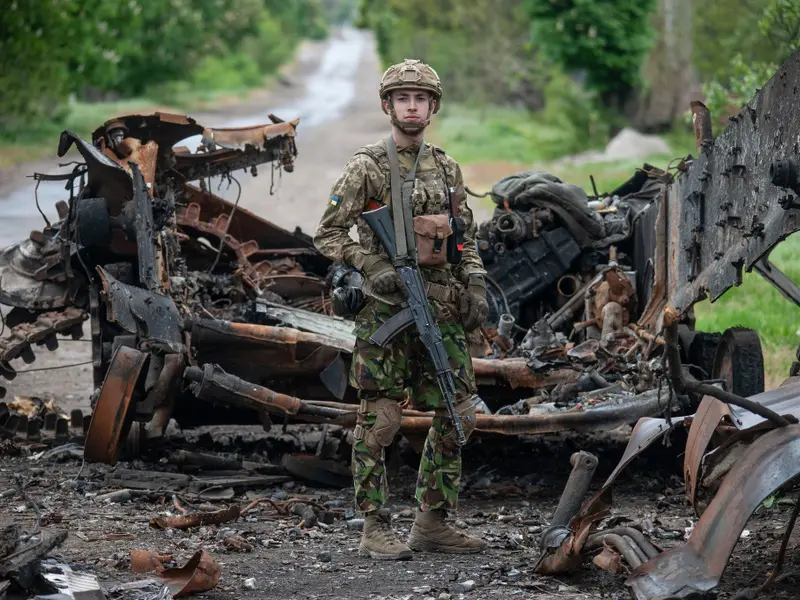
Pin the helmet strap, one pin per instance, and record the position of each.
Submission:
(405, 126)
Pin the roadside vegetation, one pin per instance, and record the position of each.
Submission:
(70, 64)
(528, 82)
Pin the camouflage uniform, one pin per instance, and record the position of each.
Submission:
(387, 373)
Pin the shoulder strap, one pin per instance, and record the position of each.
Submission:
(402, 213)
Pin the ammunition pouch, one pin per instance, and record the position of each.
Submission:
(388, 416)
(432, 233)
(468, 416)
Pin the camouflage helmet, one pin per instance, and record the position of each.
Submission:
(412, 74)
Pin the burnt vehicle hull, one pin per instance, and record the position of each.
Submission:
(232, 314)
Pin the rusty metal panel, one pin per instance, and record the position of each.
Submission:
(784, 400)
(241, 138)
(739, 198)
(110, 416)
(704, 424)
(697, 566)
(244, 225)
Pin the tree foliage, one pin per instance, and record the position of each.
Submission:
(51, 49)
(734, 81)
(607, 40)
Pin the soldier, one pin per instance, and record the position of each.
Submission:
(410, 93)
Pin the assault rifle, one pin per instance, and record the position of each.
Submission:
(416, 311)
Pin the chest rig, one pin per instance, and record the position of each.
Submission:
(424, 232)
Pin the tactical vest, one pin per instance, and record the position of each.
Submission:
(430, 197)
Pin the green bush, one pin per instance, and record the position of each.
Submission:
(574, 110)
(777, 35)
(88, 49)
(607, 40)
(227, 72)
(269, 48)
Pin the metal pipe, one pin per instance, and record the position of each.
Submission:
(519, 375)
(213, 384)
(219, 332)
(639, 552)
(618, 543)
(638, 537)
(568, 285)
(506, 325)
(583, 468)
(216, 385)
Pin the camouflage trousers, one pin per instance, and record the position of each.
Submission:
(404, 368)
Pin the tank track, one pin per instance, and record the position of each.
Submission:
(42, 332)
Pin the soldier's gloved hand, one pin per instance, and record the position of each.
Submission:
(381, 273)
(474, 306)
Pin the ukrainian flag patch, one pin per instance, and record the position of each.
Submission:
(335, 201)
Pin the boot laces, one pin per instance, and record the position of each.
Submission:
(384, 529)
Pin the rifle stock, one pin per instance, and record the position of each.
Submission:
(430, 335)
(380, 221)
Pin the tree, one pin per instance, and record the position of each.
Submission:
(605, 41)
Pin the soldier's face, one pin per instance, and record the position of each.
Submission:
(410, 105)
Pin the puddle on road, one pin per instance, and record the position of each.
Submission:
(329, 91)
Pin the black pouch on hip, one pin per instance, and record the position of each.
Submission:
(455, 243)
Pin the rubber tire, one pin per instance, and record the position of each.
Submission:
(702, 351)
(740, 360)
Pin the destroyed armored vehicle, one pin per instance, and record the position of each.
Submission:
(204, 312)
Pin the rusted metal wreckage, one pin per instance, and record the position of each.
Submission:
(191, 296)
(724, 215)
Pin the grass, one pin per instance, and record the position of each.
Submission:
(503, 134)
(506, 141)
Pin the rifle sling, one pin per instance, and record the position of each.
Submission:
(402, 211)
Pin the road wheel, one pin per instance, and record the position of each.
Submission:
(740, 361)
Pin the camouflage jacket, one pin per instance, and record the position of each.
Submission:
(366, 177)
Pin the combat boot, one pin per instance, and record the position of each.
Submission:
(430, 533)
(379, 541)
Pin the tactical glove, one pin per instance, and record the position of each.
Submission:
(382, 275)
(474, 306)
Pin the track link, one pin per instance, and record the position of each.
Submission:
(41, 332)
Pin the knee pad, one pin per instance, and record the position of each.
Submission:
(388, 416)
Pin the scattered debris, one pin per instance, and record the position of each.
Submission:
(200, 574)
(197, 519)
